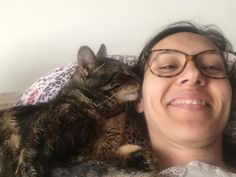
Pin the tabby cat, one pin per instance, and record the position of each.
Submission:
(86, 119)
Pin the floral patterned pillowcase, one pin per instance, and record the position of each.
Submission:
(196, 169)
(48, 86)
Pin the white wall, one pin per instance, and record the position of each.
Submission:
(38, 35)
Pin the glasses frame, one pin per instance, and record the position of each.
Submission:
(188, 58)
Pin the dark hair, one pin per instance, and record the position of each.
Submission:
(212, 32)
(215, 35)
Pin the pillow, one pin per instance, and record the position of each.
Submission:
(48, 86)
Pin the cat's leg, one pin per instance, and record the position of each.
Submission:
(130, 155)
(110, 138)
(32, 163)
(7, 162)
(32, 152)
(25, 166)
(16, 159)
(108, 147)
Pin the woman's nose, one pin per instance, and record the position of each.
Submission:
(191, 75)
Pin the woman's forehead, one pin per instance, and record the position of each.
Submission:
(186, 42)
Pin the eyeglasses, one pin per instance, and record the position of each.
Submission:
(212, 63)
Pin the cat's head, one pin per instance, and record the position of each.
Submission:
(99, 74)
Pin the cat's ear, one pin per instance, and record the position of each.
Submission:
(86, 61)
(102, 52)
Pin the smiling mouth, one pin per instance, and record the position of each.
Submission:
(197, 102)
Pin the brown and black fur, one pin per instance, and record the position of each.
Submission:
(99, 169)
(86, 119)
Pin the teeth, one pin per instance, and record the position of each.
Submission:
(189, 102)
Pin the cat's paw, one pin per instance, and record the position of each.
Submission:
(25, 167)
(137, 157)
(24, 171)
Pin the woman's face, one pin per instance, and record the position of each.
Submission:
(189, 109)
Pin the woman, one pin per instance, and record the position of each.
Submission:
(187, 94)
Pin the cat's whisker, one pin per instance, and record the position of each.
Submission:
(106, 100)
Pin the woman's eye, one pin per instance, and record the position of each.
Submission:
(168, 67)
(212, 68)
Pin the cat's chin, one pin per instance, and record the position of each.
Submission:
(129, 97)
(133, 97)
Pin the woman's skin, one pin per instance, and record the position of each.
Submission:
(181, 131)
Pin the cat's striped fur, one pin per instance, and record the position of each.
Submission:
(86, 119)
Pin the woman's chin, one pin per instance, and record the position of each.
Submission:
(193, 135)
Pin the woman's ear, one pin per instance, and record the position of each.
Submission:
(139, 105)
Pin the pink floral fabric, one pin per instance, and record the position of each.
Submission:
(48, 86)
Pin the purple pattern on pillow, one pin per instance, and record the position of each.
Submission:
(48, 86)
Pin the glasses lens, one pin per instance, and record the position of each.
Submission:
(216, 64)
(166, 63)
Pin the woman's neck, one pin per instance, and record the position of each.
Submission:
(172, 154)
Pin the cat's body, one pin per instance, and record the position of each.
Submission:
(86, 119)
